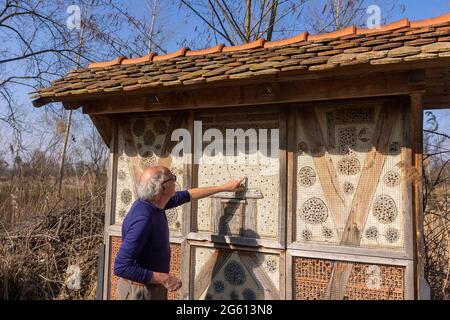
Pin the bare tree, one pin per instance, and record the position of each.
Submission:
(236, 22)
(330, 15)
(436, 174)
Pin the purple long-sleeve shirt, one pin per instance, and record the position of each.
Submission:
(145, 240)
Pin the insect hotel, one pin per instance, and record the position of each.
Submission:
(335, 212)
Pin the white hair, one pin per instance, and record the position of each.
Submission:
(151, 188)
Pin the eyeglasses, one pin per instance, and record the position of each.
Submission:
(174, 178)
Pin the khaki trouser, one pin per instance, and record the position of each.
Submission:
(130, 291)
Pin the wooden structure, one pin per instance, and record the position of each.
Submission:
(335, 212)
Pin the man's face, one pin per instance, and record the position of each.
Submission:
(169, 184)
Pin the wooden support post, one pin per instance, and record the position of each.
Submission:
(188, 176)
(422, 288)
(291, 176)
(110, 205)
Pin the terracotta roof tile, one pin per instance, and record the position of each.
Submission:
(335, 34)
(118, 60)
(252, 45)
(215, 49)
(178, 53)
(398, 42)
(430, 21)
(392, 26)
(146, 58)
(298, 38)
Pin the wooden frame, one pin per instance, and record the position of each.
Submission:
(416, 122)
(310, 87)
(408, 264)
(109, 206)
(191, 244)
(286, 98)
(278, 243)
(407, 251)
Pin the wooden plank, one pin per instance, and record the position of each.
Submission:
(110, 206)
(249, 260)
(235, 240)
(289, 275)
(417, 184)
(282, 158)
(104, 127)
(111, 180)
(326, 171)
(282, 270)
(405, 167)
(360, 251)
(208, 271)
(338, 283)
(250, 216)
(370, 174)
(291, 196)
(188, 177)
(246, 95)
(215, 209)
(185, 269)
(349, 257)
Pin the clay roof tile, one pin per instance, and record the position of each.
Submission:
(103, 64)
(298, 38)
(335, 34)
(178, 53)
(215, 49)
(402, 23)
(252, 45)
(146, 58)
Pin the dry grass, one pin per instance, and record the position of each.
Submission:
(41, 235)
(437, 244)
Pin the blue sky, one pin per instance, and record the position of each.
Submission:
(413, 9)
(179, 27)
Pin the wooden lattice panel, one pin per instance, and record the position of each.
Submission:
(115, 246)
(349, 157)
(312, 278)
(234, 275)
(145, 142)
(175, 265)
(263, 174)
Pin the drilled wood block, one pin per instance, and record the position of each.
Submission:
(366, 282)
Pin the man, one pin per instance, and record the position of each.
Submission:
(143, 261)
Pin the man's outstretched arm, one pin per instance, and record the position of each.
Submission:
(234, 185)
